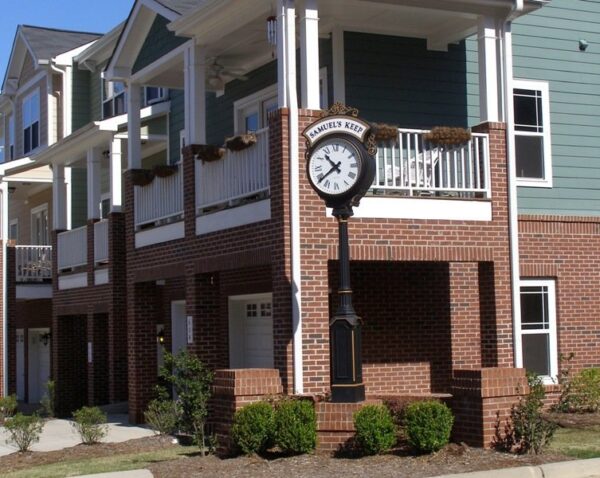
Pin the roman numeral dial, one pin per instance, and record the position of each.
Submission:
(334, 166)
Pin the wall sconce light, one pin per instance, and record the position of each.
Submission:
(46, 338)
(583, 44)
(160, 336)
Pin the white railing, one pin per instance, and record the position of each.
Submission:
(33, 263)
(160, 200)
(101, 241)
(413, 167)
(72, 248)
(236, 177)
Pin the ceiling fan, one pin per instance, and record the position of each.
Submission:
(218, 74)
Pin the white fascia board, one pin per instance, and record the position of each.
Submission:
(161, 10)
(101, 49)
(182, 24)
(17, 164)
(160, 65)
(149, 112)
(66, 58)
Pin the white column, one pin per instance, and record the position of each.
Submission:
(116, 175)
(282, 100)
(339, 67)
(134, 141)
(195, 94)
(489, 70)
(4, 212)
(93, 183)
(309, 51)
(59, 198)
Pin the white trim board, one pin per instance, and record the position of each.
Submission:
(156, 235)
(34, 291)
(238, 216)
(72, 281)
(422, 208)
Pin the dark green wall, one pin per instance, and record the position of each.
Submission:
(78, 197)
(546, 47)
(96, 95)
(397, 80)
(159, 42)
(176, 124)
(81, 98)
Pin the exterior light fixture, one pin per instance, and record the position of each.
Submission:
(583, 44)
(46, 338)
(160, 336)
(272, 30)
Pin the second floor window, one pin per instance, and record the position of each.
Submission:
(113, 99)
(31, 122)
(154, 94)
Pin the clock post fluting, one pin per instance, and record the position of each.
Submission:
(341, 168)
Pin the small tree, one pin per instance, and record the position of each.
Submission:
(8, 407)
(191, 381)
(24, 430)
(90, 423)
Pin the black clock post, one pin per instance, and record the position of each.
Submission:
(345, 328)
(341, 168)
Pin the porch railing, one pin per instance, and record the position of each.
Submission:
(238, 177)
(33, 263)
(72, 248)
(101, 241)
(414, 167)
(160, 200)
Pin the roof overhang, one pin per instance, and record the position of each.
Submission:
(19, 50)
(99, 51)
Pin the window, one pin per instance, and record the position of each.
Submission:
(252, 112)
(2, 138)
(31, 122)
(39, 226)
(323, 90)
(538, 328)
(104, 205)
(11, 137)
(153, 94)
(113, 98)
(13, 230)
(532, 133)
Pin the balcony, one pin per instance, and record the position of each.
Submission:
(72, 249)
(33, 264)
(412, 167)
(101, 242)
(160, 202)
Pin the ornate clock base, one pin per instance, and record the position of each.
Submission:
(348, 393)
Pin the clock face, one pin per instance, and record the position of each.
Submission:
(334, 166)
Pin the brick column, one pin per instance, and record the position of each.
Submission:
(117, 308)
(11, 317)
(464, 315)
(143, 307)
(90, 252)
(480, 398)
(189, 191)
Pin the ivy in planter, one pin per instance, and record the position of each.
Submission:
(240, 142)
(141, 177)
(446, 135)
(165, 170)
(385, 132)
(208, 152)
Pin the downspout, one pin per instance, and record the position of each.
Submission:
(513, 212)
(292, 102)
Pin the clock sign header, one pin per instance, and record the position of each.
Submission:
(335, 125)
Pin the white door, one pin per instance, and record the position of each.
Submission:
(251, 331)
(39, 363)
(20, 364)
(178, 326)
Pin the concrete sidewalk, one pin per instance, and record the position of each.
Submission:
(59, 434)
(565, 469)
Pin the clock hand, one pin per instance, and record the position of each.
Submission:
(336, 167)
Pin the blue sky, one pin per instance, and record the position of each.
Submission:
(83, 15)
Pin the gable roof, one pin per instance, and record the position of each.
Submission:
(46, 43)
(180, 6)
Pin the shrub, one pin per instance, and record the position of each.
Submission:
(583, 393)
(296, 426)
(253, 428)
(8, 407)
(47, 400)
(191, 381)
(375, 430)
(162, 415)
(90, 423)
(528, 431)
(24, 430)
(428, 425)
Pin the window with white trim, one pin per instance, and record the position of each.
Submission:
(13, 230)
(114, 101)
(31, 122)
(252, 113)
(154, 94)
(538, 328)
(323, 89)
(104, 205)
(39, 226)
(532, 133)
(11, 137)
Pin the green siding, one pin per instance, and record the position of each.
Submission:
(158, 43)
(176, 124)
(96, 95)
(546, 47)
(78, 197)
(397, 80)
(81, 98)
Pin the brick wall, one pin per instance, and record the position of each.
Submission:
(567, 249)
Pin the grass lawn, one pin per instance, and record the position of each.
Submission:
(577, 442)
(106, 464)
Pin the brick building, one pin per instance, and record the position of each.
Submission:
(468, 263)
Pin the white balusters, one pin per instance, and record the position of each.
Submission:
(72, 248)
(101, 241)
(33, 263)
